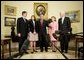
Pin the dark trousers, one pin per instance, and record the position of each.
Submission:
(64, 39)
(43, 42)
(21, 41)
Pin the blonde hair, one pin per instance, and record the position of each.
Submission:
(54, 18)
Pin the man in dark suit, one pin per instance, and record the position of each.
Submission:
(42, 32)
(22, 29)
(64, 28)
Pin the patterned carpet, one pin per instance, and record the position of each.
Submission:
(43, 55)
(48, 55)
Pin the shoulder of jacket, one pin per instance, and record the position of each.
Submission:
(29, 20)
(67, 17)
(20, 18)
(59, 19)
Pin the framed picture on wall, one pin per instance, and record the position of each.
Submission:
(9, 21)
(74, 16)
(41, 8)
(10, 10)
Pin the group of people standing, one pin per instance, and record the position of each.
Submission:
(35, 30)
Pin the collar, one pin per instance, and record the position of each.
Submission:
(23, 17)
(63, 17)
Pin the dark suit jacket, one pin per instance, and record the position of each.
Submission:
(22, 26)
(42, 29)
(31, 25)
(65, 27)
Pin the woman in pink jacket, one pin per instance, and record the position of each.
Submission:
(53, 26)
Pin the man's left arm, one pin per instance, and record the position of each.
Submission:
(47, 23)
(69, 25)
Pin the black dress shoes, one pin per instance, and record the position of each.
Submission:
(46, 50)
(32, 52)
(66, 52)
(26, 53)
(35, 51)
(41, 51)
(53, 51)
(62, 51)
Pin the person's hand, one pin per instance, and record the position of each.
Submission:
(28, 33)
(19, 34)
(50, 27)
(68, 32)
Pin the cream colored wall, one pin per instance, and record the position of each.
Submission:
(54, 7)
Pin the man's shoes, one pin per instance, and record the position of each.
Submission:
(53, 51)
(62, 51)
(32, 52)
(46, 50)
(66, 52)
(35, 51)
(26, 53)
(41, 51)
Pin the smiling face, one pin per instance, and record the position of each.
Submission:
(53, 18)
(33, 17)
(62, 13)
(24, 14)
(41, 17)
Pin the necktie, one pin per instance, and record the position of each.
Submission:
(41, 22)
(24, 20)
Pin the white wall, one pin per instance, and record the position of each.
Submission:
(54, 7)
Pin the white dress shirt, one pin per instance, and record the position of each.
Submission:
(24, 19)
(33, 22)
(63, 19)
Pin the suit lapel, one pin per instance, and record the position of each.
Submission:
(43, 22)
(61, 21)
(22, 19)
(32, 23)
(64, 20)
(39, 22)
